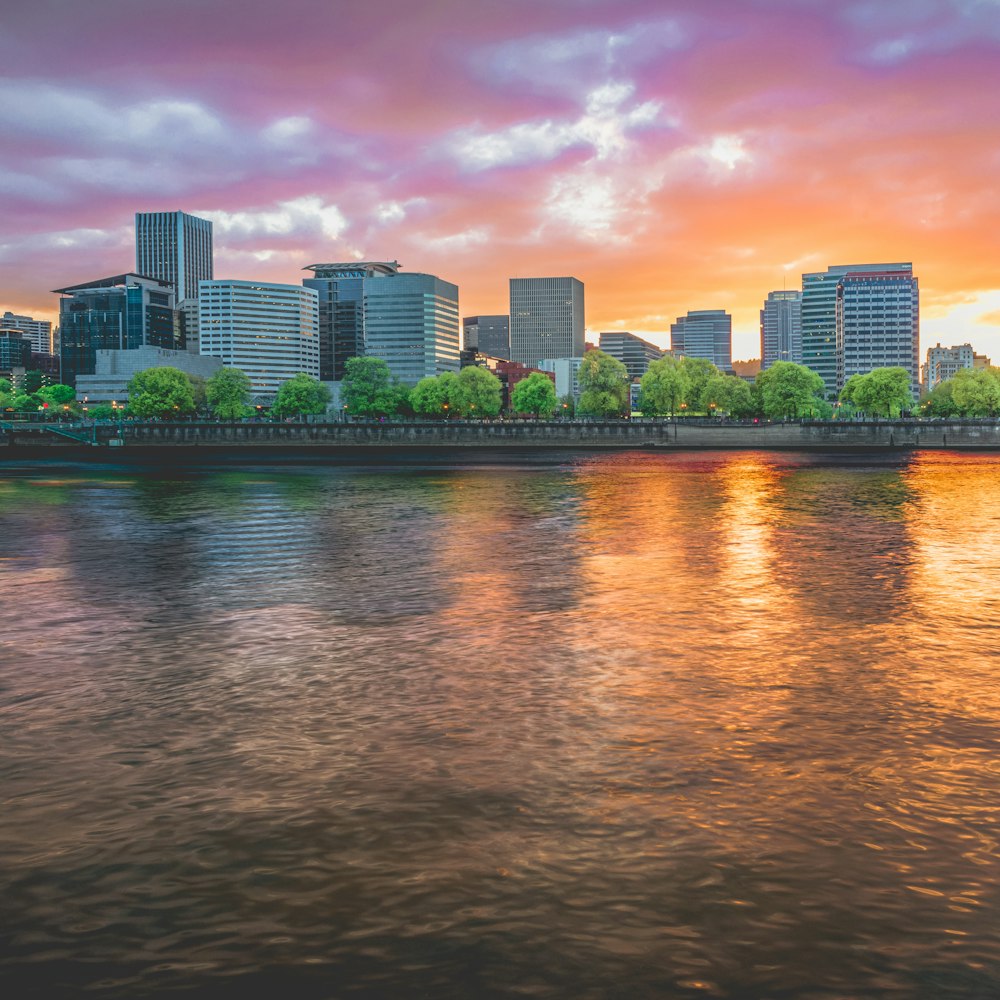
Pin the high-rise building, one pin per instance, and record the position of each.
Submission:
(704, 333)
(945, 362)
(341, 310)
(174, 247)
(39, 331)
(566, 372)
(632, 351)
(487, 334)
(781, 328)
(119, 313)
(878, 322)
(819, 316)
(546, 319)
(15, 352)
(269, 331)
(411, 322)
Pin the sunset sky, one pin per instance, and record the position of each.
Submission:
(685, 154)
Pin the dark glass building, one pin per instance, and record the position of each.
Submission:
(487, 335)
(632, 351)
(15, 351)
(119, 313)
(704, 333)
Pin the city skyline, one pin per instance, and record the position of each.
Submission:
(673, 156)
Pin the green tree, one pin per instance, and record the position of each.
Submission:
(302, 395)
(227, 393)
(940, 401)
(535, 394)
(849, 393)
(698, 372)
(567, 405)
(477, 392)
(883, 391)
(435, 395)
(729, 394)
(102, 411)
(5, 387)
(663, 388)
(603, 382)
(369, 390)
(57, 395)
(788, 390)
(976, 391)
(25, 402)
(160, 392)
(33, 381)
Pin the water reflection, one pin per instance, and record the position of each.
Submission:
(637, 725)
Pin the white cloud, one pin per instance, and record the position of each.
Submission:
(476, 236)
(305, 216)
(728, 150)
(588, 204)
(288, 130)
(89, 240)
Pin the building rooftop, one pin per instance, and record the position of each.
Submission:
(115, 281)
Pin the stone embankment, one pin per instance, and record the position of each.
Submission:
(561, 434)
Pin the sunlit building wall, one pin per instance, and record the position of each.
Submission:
(566, 372)
(781, 328)
(546, 319)
(269, 331)
(945, 362)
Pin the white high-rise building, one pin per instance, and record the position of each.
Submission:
(945, 362)
(38, 331)
(267, 330)
(546, 319)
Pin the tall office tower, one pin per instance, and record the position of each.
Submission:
(119, 313)
(819, 317)
(546, 319)
(174, 247)
(704, 333)
(39, 331)
(781, 328)
(489, 335)
(945, 362)
(411, 322)
(878, 322)
(269, 331)
(341, 310)
(632, 351)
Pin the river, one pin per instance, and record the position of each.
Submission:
(615, 726)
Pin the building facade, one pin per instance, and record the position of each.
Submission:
(119, 313)
(174, 247)
(633, 352)
(411, 322)
(113, 370)
(269, 331)
(566, 372)
(878, 322)
(39, 331)
(945, 362)
(15, 353)
(488, 335)
(546, 319)
(340, 287)
(704, 333)
(781, 328)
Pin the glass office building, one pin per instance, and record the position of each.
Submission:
(489, 335)
(781, 328)
(704, 333)
(174, 247)
(546, 319)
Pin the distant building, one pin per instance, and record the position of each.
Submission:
(945, 362)
(566, 372)
(633, 352)
(174, 247)
(411, 322)
(819, 316)
(781, 328)
(119, 313)
(113, 370)
(38, 330)
(512, 372)
(487, 334)
(340, 287)
(269, 331)
(704, 333)
(747, 370)
(15, 353)
(878, 322)
(546, 319)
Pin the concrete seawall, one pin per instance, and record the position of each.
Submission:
(686, 434)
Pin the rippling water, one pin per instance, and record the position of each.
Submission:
(722, 725)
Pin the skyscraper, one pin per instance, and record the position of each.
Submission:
(269, 331)
(704, 333)
(119, 313)
(546, 319)
(878, 322)
(632, 351)
(176, 247)
(781, 328)
(411, 322)
(341, 310)
(489, 335)
(819, 316)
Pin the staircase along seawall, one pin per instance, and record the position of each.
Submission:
(687, 433)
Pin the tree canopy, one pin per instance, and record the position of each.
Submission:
(227, 393)
(435, 395)
(300, 396)
(882, 391)
(535, 394)
(477, 392)
(788, 390)
(57, 395)
(603, 384)
(976, 391)
(698, 372)
(663, 387)
(729, 394)
(368, 388)
(160, 392)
